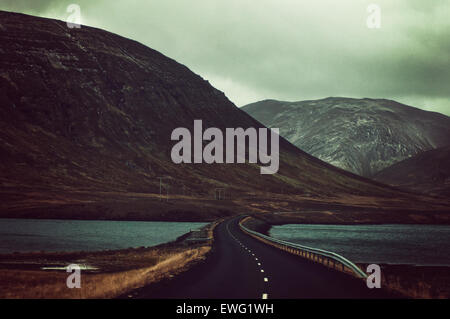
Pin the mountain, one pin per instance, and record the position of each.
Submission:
(86, 118)
(362, 136)
(427, 172)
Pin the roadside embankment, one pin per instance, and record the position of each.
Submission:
(419, 282)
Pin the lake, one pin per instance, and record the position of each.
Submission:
(394, 244)
(23, 235)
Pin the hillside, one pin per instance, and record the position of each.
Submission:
(86, 119)
(427, 172)
(362, 136)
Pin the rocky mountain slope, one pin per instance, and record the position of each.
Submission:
(427, 172)
(86, 118)
(359, 135)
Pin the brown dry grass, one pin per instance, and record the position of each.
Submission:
(32, 284)
(147, 206)
(419, 282)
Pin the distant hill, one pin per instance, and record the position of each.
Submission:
(427, 172)
(362, 136)
(86, 118)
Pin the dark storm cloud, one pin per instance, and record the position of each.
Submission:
(289, 49)
(37, 6)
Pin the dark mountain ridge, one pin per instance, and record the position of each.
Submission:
(86, 119)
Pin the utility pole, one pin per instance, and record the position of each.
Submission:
(160, 189)
(218, 193)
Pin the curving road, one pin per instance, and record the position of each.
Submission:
(243, 267)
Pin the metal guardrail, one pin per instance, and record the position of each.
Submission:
(325, 257)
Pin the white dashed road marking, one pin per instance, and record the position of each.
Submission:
(266, 279)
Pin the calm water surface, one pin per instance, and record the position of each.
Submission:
(395, 244)
(23, 235)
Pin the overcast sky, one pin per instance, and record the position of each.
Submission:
(288, 49)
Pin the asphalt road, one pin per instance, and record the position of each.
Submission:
(243, 267)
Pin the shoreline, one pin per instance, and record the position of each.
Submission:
(117, 271)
